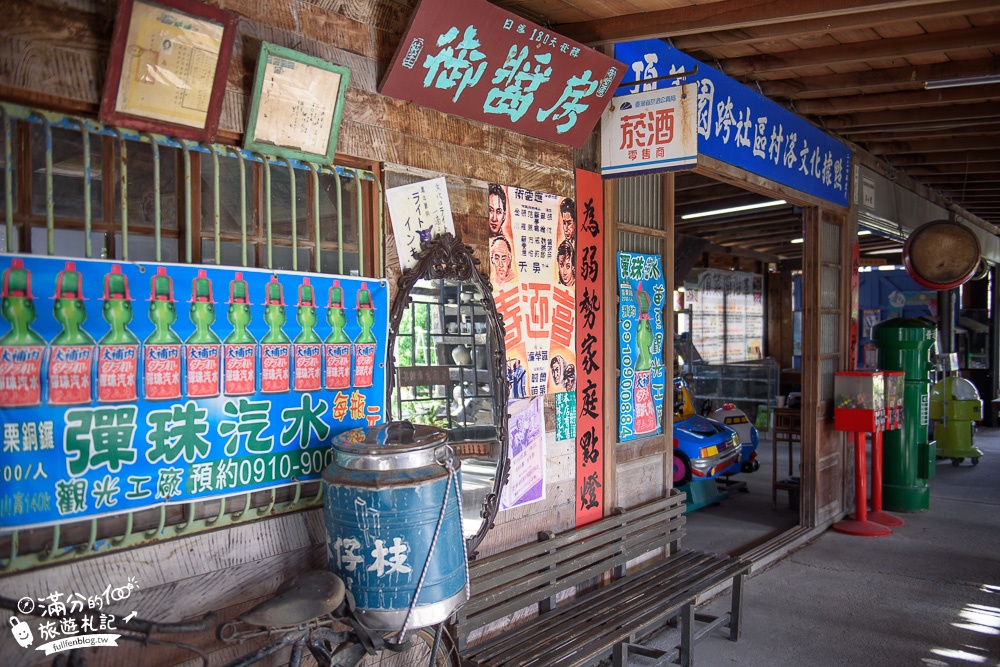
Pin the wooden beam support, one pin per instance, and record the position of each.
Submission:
(859, 20)
(862, 52)
(895, 101)
(887, 119)
(725, 15)
(985, 153)
(823, 86)
(930, 146)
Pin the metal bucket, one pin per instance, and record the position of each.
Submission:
(383, 498)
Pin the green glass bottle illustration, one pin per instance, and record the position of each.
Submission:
(162, 348)
(71, 355)
(118, 350)
(240, 347)
(364, 344)
(21, 349)
(275, 346)
(202, 349)
(645, 410)
(337, 348)
(308, 344)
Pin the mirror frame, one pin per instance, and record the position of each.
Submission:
(448, 258)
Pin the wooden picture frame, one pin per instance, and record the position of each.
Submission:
(191, 41)
(297, 105)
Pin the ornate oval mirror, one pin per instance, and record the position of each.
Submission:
(445, 370)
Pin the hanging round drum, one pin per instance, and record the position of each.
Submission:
(942, 255)
(394, 525)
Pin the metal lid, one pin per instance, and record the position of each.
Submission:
(392, 446)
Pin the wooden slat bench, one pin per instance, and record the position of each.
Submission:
(605, 621)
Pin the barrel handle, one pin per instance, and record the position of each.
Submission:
(445, 457)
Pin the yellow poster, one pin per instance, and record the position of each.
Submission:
(169, 66)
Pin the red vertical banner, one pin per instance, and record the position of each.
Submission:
(590, 405)
(852, 351)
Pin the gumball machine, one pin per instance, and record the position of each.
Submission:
(895, 382)
(860, 402)
(860, 409)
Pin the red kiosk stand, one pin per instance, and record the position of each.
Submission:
(860, 408)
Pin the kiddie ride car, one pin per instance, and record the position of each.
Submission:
(705, 448)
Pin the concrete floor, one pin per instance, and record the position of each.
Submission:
(746, 518)
(927, 595)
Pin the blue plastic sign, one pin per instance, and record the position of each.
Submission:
(740, 127)
(641, 298)
(125, 386)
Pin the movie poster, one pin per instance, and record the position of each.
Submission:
(533, 272)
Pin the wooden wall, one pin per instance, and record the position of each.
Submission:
(53, 54)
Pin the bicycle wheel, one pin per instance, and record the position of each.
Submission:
(418, 654)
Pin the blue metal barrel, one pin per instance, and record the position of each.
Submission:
(383, 498)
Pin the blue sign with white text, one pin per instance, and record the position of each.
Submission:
(740, 127)
(641, 297)
(128, 385)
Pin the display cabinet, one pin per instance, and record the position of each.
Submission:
(751, 386)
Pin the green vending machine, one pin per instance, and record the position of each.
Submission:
(908, 458)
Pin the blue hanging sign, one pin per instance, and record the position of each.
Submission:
(125, 386)
(740, 127)
(641, 297)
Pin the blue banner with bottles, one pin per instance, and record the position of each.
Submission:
(128, 385)
(641, 297)
(740, 127)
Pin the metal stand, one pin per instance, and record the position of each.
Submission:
(877, 515)
(860, 524)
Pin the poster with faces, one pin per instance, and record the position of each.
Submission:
(532, 243)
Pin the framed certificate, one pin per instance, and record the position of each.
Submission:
(296, 106)
(167, 68)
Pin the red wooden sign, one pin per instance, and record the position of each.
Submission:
(476, 60)
(590, 406)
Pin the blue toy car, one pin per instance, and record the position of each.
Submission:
(703, 448)
(737, 420)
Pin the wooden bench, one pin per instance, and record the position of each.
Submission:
(615, 608)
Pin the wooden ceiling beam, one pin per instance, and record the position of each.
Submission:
(987, 152)
(736, 218)
(861, 52)
(729, 225)
(969, 189)
(689, 180)
(738, 252)
(714, 198)
(970, 168)
(921, 129)
(963, 143)
(974, 198)
(724, 15)
(858, 20)
(821, 86)
(757, 241)
(883, 119)
(899, 100)
(970, 180)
